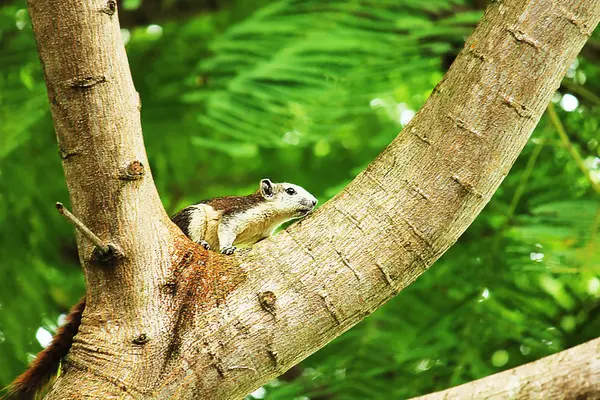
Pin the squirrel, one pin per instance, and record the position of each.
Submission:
(221, 223)
(224, 223)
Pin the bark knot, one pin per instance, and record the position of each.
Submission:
(583, 27)
(132, 171)
(330, 307)
(66, 154)
(472, 50)
(110, 9)
(108, 258)
(422, 137)
(141, 339)
(87, 82)
(267, 301)
(468, 186)
(522, 37)
(462, 124)
(519, 107)
(170, 287)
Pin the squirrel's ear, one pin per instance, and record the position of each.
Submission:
(266, 188)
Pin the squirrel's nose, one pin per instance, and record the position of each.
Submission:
(314, 203)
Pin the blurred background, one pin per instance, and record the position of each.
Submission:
(310, 92)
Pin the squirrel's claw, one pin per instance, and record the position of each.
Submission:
(228, 250)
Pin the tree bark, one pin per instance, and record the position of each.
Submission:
(570, 374)
(166, 319)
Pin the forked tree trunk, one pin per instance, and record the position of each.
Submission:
(166, 319)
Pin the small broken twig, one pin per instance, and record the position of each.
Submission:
(85, 231)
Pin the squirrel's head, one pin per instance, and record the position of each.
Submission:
(287, 198)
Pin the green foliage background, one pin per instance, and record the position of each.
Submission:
(309, 92)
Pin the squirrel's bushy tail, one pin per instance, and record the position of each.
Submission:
(47, 361)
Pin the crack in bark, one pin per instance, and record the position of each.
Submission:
(423, 138)
(468, 186)
(462, 124)
(391, 168)
(273, 356)
(216, 360)
(518, 106)
(387, 277)
(369, 174)
(417, 189)
(66, 154)
(418, 233)
(301, 245)
(350, 218)
(134, 393)
(87, 82)
(330, 308)
(346, 262)
(582, 26)
(522, 37)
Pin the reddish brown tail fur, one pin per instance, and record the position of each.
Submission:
(48, 360)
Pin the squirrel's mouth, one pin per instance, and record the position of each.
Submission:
(305, 211)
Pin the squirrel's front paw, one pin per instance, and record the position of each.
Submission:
(228, 250)
(204, 244)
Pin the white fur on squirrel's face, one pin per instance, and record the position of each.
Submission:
(287, 198)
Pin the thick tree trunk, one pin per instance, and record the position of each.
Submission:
(166, 319)
(570, 374)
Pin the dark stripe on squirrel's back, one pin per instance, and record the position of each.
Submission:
(235, 204)
(183, 218)
(229, 204)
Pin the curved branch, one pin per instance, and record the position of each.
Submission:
(570, 374)
(398, 216)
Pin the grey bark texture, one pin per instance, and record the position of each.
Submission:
(167, 319)
(570, 374)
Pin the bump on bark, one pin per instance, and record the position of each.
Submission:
(132, 171)
(267, 301)
(107, 258)
(141, 339)
(66, 154)
(170, 288)
(110, 9)
(87, 82)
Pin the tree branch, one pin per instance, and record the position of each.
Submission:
(570, 374)
(85, 231)
(95, 110)
(171, 320)
(399, 215)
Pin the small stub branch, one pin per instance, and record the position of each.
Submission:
(103, 252)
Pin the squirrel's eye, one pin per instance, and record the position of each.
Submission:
(290, 191)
